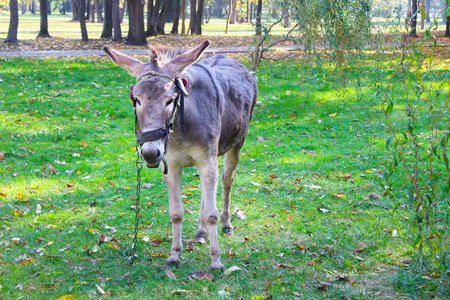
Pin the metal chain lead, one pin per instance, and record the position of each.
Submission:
(139, 164)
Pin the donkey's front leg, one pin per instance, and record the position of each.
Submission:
(209, 213)
(173, 181)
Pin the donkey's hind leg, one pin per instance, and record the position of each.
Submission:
(231, 160)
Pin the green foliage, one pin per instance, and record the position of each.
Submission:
(338, 25)
(420, 157)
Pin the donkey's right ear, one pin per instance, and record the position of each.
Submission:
(133, 66)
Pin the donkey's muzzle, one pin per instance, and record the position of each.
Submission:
(152, 156)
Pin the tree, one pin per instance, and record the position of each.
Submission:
(414, 12)
(232, 11)
(286, 14)
(447, 19)
(82, 13)
(43, 32)
(98, 11)
(228, 16)
(13, 22)
(73, 8)
(136, 31)
(150, 8)
(107, 22)
(162, 18)
(176, 17)
(258, 17)
(183, 17)
(193, 16)
(199, 17)
(116, 20)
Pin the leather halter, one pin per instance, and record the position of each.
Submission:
(156, 134)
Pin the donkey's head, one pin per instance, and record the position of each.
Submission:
(155, 93)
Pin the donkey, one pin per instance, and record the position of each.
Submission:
(214, 122)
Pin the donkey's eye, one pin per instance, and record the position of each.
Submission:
(169, 102)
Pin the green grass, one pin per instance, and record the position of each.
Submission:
(310, 182)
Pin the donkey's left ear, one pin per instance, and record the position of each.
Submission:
(182, 62)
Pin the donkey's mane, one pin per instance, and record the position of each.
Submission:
(163, 53)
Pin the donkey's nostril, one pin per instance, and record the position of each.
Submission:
(158, 153)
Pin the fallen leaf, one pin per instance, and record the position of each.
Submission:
(333, 115)
(240, 214)
(312, 263)
(147, 185)
(181, 292)
(170, 274)
(339, 195)
(51, 169)
(100, 290)
(231, 270)
(155, 243)
(323, 210)
(66, 297)
(200, 276)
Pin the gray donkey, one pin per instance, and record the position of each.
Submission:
(213, 121)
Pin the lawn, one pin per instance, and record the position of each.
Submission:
(309, 208)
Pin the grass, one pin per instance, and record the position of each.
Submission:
(310, 182)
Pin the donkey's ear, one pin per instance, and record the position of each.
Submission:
(133, 66)
(182, 62)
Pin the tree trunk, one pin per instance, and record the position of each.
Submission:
(98, 11)
(193, 16)
(33, 7)
(13, 22)
(176, 17)
(413, 31)
(116, 20)
(43, 32)
(447, 27)
(251, 12)
(183, 17)
(232, 11)
(199, 17)
(286, 14)
(427, 9)
(150, 9)
(136, 31)
(258, 17)
(122, 11)
(229, 15)
(82, 13)
(88, 10)
(151, 29)
(93, 13)
(422, 20)
(73, 8)
(162, 18)
(24, 7)
(248, 11)
(107, 22)
(49, 8)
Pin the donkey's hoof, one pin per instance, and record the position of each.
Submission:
(227, 230)
(202, 238)
(173, 263)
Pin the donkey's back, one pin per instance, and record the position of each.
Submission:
(223, 95)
